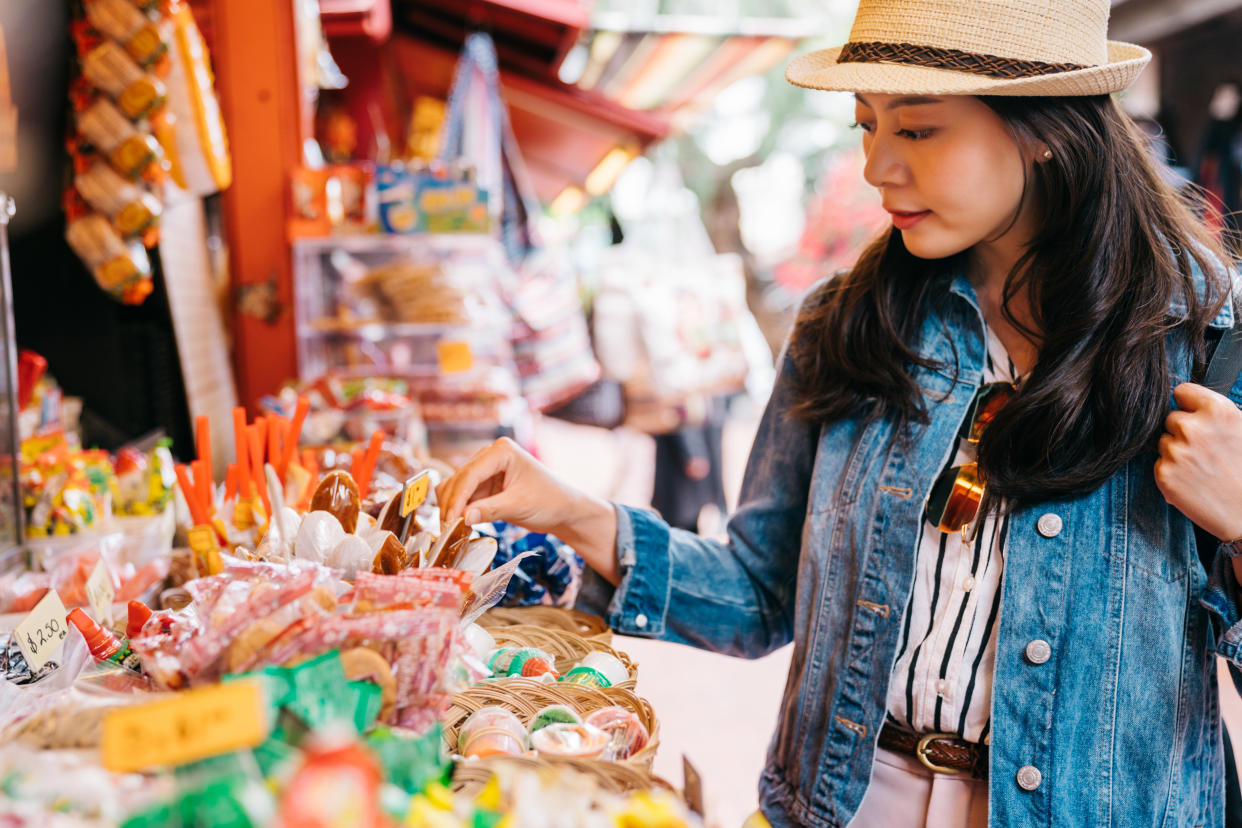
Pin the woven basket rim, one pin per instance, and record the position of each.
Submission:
(576, 621)
(613, 777)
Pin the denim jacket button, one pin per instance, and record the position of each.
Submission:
(1038, 651)
(640, 621)
(1049, 525)
(1029, 777)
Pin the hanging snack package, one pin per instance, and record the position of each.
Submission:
(137, 93)
(131, 153)
(124, 271)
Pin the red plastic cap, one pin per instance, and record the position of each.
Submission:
(99, 641)
(138, 615)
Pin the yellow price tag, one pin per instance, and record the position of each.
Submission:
(100, 592)
(42, 633)
(415, 493)
(454, 357)
(189, 726)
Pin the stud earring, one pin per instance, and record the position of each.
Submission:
(1047, 153)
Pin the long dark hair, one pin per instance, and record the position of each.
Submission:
(1115, 245)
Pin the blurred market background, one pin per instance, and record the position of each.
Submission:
(585, 225)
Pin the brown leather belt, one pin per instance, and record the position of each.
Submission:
(938, 752)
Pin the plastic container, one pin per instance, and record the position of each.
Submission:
(492, 731)
(627, 734)
(529, 662)
(598, 669)
(573, 741)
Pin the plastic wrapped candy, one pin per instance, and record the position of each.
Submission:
(529, 662)
(551, 576)
(492, 731)
(598, 669)
(554, 714)
(577, 741)
(627, 734)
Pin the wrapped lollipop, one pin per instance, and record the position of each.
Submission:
(627, 734)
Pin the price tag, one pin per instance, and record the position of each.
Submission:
(42, 633)
(100, 592)
(191, 725)
(454, 357)
(415, 492)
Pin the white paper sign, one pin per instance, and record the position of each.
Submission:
(100, 592)
(42, 633)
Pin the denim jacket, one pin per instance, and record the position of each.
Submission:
(1119, 727)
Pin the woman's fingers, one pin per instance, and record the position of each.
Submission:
(486, 467)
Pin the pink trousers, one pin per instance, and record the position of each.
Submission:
(904, 794)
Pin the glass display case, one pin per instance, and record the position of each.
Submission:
(424, 309)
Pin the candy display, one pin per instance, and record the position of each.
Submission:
(309, 659)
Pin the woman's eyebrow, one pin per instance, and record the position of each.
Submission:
(905, 100)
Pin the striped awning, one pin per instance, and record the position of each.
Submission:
(673, 63)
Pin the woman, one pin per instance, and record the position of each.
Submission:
(986, 394)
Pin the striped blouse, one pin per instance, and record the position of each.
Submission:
(942, 678)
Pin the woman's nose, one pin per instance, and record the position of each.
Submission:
(884, 167)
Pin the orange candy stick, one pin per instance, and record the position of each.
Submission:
(230, 482)
(278, 461)
(275, 450)
(202, 483)
(202, 442)
(243, 463)
(363, 476)
(312, 466)
(255, 435)
(295, 434)
(191, 496)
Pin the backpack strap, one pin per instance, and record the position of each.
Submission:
(1226, 365)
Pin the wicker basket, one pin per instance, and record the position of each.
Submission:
(575, 621)
(470, 776)
(566, 647)
(526, 697)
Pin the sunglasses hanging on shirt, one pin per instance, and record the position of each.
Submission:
(956, 496)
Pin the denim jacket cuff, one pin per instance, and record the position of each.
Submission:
(1221, 597)
(637, 606)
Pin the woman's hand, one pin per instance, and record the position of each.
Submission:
(1200, 466)
(504, 482)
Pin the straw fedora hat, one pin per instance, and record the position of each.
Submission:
(975, 47)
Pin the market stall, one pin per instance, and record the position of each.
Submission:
(256, 617)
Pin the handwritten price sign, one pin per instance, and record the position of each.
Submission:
(42, 633)
(189, 726)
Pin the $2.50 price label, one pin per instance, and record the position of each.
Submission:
(188, 726)
(42, 633)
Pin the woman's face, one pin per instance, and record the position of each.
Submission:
(948, 169)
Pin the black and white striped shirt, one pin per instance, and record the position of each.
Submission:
(942, 679)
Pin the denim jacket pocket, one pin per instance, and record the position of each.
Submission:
(1154, 545)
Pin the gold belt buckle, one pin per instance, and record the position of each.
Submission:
(920, 753)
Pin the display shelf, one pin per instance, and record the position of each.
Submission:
(381, 304)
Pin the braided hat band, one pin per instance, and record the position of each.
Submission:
(955, 60)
